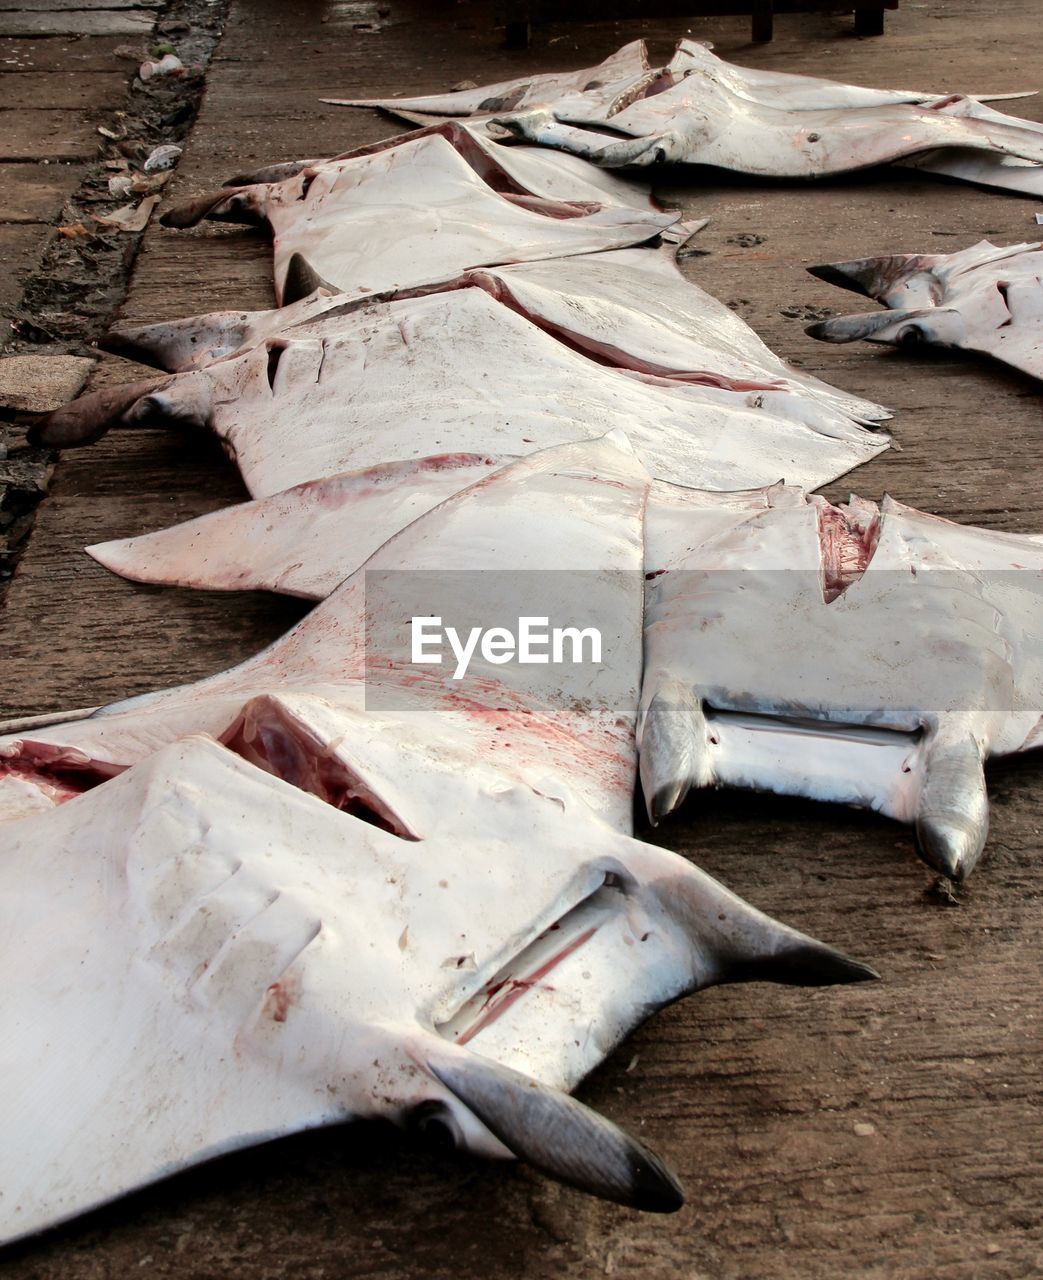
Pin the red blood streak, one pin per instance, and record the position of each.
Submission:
(503, 994)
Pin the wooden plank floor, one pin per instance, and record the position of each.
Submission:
(884, 1131)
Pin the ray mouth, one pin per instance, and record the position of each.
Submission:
(532, 968)
(875, 765)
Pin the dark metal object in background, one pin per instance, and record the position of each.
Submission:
(519, 15)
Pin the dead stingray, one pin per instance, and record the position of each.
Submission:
(874, 750)
(902, 651)
(482, 558)
(629, 308)
(238, 961)
(460, 372)
(414, 213)
(376, 938)
(700, 109)
(628, 76)
(517, 170)
(986, 298)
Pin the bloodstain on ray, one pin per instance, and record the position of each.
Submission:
(501, 994)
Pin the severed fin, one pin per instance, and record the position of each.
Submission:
(229, 204)
(731, 941)
(183, 400)
(674, 744)
(301, 280)
(559, 1136)
(952, 821)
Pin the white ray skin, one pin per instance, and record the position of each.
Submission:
(577, 510)
(631, 306)
(629, 61)
(985, 298)
(630, 68)
(235, 961)
(460, 372)
(701, 109)
(832, 759)
(889, 696)
(306, 541)
(269, 964)
(1007, 173)
(552, 174)
(705, 124)
(414, 213)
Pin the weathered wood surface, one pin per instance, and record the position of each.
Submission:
(84, 21)
(754, 1094)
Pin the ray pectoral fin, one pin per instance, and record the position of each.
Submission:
(179, 344)
(952, 821)
(674, 750)
(558, 1135)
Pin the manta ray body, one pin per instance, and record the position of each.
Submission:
(462, 372)
(700, 109)
(411, 910)
(627, 308)
(855, 696)
(238, 960)
(903, 650)
(476, 558)
(985, 298)
(418, 211)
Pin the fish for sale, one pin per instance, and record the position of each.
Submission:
(238, 960)
(484, 555)
(629, 76)
(627, 308)
(700, 109)
(985, 298)
(902, 651)
(519, 170)
(817, 731)
(408, 909)
(461, 372)
(415, 213)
